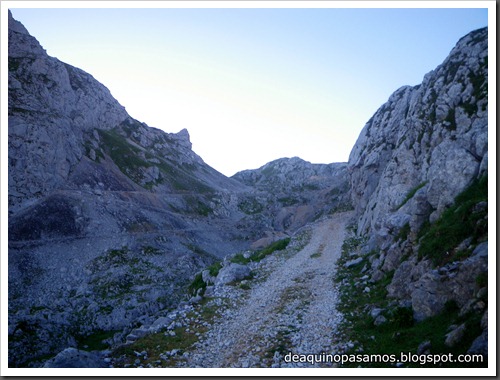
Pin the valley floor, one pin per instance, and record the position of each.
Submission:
(292, 309)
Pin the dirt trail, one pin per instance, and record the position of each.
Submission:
(293, 310)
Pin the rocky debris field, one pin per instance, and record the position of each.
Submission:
(289, 306)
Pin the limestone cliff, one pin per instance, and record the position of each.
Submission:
(429, 141)
(418, 176)
(109, 218)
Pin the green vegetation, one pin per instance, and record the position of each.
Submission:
(259, 255)
(239, 258)
(317, 254)
(289, 201)
(411, 193)
(462, 220)
(469, 108)
(196, 285)
(341, 207)
(400, 333)
(203, 209)
(156, 345)
(150, 251)
(479, 82)
(403, 232)
(482, 280)
(95, 340)
(132, 160)
(116, 286)
(450, 121)
(214, 269)
(124, 154)
(14, 63)
(250, 206)
(198, 282)
(182, 179)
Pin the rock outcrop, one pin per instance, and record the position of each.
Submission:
(293, 192)
(425, 145)
(419, 170)
(109, 218)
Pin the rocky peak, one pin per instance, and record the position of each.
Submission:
(292, 172)
(103, 209)
(424, 152)
(16, 26)
(432, 136)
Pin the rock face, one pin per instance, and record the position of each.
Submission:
(73, 358)
(109, 219)
(293, 192)
(429, 141)
(421, 150)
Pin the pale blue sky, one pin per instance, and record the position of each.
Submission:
(253, 85)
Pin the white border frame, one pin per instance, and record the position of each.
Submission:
(11, 4)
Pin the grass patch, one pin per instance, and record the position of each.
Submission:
(462, 220)
(450, 122)
(411, 193)
(317, 254)
(250, 206)
(214, 269)
(123, 154)
(157, 345)
(95, 341)
(150, 251)
(245, 286)
(259, 255)
(196, 285)
(403, 232)
(400, 333)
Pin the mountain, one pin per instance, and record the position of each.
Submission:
(421, 150)
(295, 192)
(110, 220)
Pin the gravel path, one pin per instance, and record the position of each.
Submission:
(293, 309)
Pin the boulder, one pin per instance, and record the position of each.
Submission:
(480, 345)
(380, 320)
(353, 262)
(424, 347)
(375, 312)
(74, 358)
(455, 336)
(232, 273)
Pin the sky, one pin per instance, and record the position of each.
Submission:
(254, 85)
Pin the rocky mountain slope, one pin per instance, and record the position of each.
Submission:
(291, 192)
(418, 176)
(110, 220)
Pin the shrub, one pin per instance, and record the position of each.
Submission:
(213, 269)
(197, 284)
